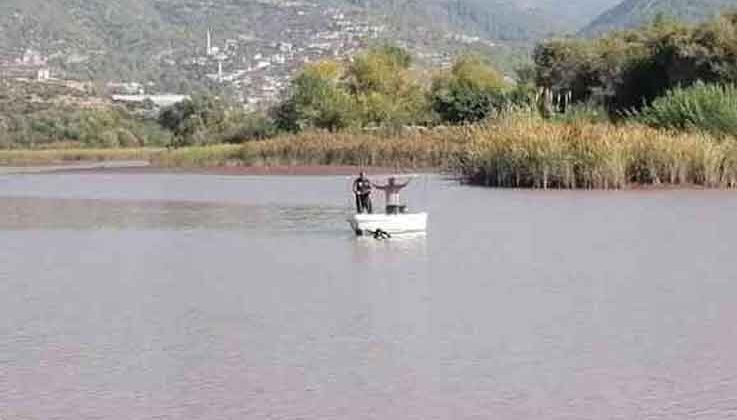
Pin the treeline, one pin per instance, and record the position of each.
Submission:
(667, 74)
(46, 115)
(36, 116)
(377, 90)
(380, 89)
(74, 127)
(626, 71)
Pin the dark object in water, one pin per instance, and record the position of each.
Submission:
(377, 234)
(380, 234)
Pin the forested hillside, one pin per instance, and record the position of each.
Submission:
(633, 13)
(155, 39)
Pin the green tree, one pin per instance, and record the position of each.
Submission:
(197, 120)
(471, 91)
(317, 100)
(249, 126)
(385, 88)
(567, 67)
(98, 127)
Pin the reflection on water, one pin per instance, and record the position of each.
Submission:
(198, 297)
(368, 250)
(49, 213)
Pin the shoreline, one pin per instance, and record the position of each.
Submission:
(143, 167)
(514, 154)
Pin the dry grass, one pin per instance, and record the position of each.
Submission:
(198, 156)
(530, 153)
(416, 150)
(66, 155)
(518, 152)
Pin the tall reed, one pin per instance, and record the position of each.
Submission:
(198, 156)
(705, 107)
(532, 153)
(411, 150)
(65, 155)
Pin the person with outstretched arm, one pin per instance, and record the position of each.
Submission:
(362, 191)
(391, 191)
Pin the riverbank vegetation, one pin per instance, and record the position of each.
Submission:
(522, 151)
(426, 150)
(650, 106)
(51, 115)
(24, 157)
(531, 153)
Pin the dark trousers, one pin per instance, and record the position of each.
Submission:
(392, 209)
(363, 203)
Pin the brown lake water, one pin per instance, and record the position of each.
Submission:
(174, 296)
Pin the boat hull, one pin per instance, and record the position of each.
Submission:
(389, 223)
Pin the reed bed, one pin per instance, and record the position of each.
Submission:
(67, 155)
(198, 156)
(531, 153)
(706, 107)
(515, 152)
(413, 150)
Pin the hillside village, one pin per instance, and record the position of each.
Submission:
(255, 67)
(246, 49)
(259, 69)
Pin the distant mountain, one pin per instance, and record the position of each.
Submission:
(569, 15)
(262, 42)
(633, 13)
(510, 20)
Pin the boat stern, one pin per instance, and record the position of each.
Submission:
(391, 223)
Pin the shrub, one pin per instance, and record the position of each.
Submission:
(250, 127)
(630, 69)
(705, 107)
(193, 121)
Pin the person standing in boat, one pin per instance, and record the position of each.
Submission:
(391, 191)
(362, 191)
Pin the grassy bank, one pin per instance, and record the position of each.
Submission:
(67, 155)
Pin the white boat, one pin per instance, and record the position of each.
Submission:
(371, 224)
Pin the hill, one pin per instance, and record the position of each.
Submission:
(133, 26)
(634, 13)
(257, 44)
(571, 15)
